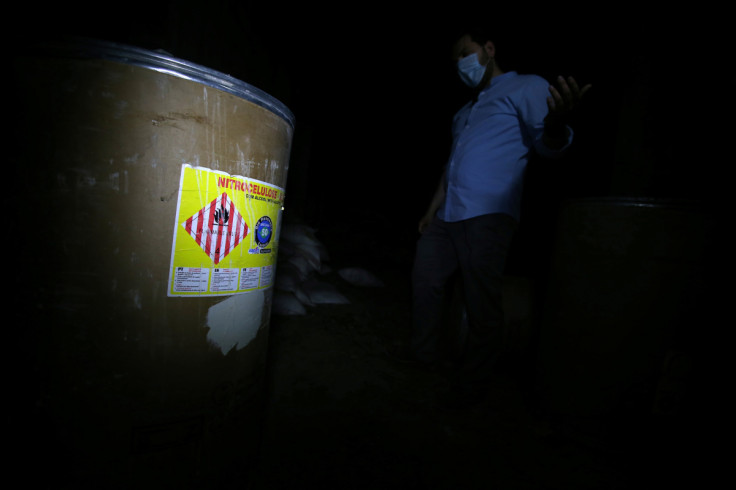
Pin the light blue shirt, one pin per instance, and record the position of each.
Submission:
(492, 141)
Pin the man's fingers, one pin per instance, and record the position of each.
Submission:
(567, 93)
(555, 98)
(573, 85)
(575, 88)
(564, 88)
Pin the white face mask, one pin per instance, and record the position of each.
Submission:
(470, 70)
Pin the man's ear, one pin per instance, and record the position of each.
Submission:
(490, 49)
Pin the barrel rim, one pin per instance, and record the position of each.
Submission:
(638, 202)
(163, 62)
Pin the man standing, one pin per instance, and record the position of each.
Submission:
(474, 212)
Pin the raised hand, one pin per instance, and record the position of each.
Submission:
(564, 98)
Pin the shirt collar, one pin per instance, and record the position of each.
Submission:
(500, 78)
(494, 82)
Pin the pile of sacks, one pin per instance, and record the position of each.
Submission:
(302, 263)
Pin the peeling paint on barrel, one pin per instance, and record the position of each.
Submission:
(234, 322)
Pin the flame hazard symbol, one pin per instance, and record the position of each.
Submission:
(218, 228)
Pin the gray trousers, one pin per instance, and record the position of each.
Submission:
(477, 248)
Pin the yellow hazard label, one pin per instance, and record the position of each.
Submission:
(225, 234)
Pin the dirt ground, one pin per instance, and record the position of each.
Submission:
(342, 415)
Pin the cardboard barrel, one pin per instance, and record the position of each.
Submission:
(627, 291)
(151, 192)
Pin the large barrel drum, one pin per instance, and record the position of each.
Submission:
(623, 323)
(148, 192)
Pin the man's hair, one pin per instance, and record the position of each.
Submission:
(480, 35)
(484, 32)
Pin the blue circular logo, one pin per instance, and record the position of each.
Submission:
(264, 231)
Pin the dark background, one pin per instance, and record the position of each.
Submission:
(373, 90)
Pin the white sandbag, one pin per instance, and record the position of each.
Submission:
(288, 277)
(360, 277)
(311, 253)
(296, 233)
(323, 293)
(303, 296)
(286, 304)
(301, 265)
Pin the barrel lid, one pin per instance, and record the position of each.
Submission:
(639, 202)
(164, 62)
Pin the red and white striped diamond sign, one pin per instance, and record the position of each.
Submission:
(218, 228)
